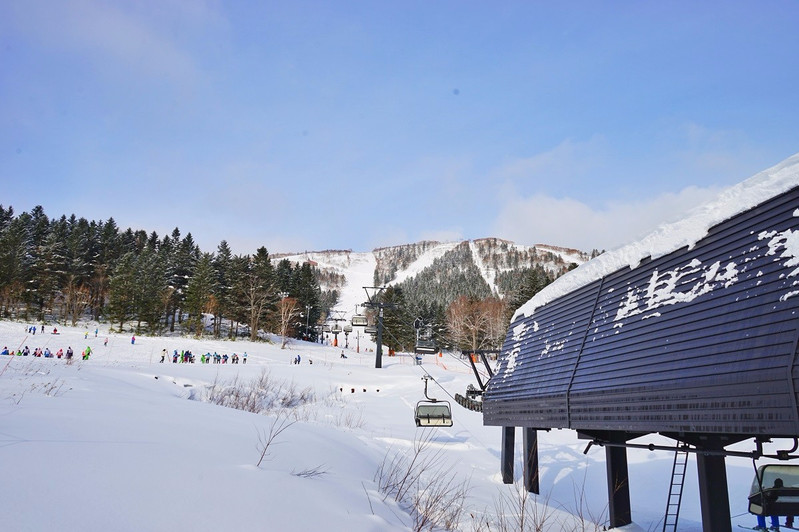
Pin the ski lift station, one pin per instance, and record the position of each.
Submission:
(691, 334)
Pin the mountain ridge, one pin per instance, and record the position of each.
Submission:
(451, 268)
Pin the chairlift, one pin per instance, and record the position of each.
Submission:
(336, 328)
(775, 490)
(425, 344)
(432, 412)
(347, 328)
(370, 330)
(359, 320)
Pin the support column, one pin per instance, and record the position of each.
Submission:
(619, 510)
(713, 495)
(530, 441)
(508, 443)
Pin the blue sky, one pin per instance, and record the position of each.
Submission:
(351, 125)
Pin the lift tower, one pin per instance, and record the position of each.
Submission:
(374, 301)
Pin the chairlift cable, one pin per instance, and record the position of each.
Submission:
(463, 363)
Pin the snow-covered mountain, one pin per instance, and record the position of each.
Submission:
(487, 260)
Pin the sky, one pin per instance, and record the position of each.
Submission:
(311, 125)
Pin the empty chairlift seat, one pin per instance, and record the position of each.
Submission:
(775, 490)
(433, 414)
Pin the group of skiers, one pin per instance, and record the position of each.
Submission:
(187, 357)
(46, 353)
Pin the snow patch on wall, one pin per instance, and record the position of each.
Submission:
(785, 246)
(669, 287)
(518, 334)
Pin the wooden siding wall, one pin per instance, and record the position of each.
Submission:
(703, 340)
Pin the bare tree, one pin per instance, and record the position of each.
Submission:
(496, 321)
(288, 310)
(77, 299)
(476, 324)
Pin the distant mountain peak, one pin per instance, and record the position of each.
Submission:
(435, 271)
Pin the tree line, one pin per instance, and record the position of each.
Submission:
(467, 321)
(64, 269)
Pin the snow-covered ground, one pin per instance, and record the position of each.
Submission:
(123, 442)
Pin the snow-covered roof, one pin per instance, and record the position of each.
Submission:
(670, 237)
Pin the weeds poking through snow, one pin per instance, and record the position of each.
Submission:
(266, 439)
(423, 484)
(313, 472)
(261, 395)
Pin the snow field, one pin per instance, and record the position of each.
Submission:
(118, 443)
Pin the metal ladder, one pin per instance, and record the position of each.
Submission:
(675, 490)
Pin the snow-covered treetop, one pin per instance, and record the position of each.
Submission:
(670, 237)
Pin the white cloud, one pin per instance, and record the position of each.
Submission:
(568, 222)
(568, 162)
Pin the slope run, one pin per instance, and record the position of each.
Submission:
(424, 261)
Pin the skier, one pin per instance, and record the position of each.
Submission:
(244, 357)
(69, 352)
(4, 351)
(132, 340)
(775, 520)
(163, 355)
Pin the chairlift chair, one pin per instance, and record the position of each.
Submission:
(359, 320)
(424, 340)
(775, 490)
(432, 412)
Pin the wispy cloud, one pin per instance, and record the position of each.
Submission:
(569, 222)
(566, 164)
(147, 38)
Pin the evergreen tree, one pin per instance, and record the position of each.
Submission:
(398, 331)
(152, 291)
(256, 289)
(77, 268)
(533, 281)
(16, 244)
(284, 276)
(239, 273)
(107, 254)
(305, 289)
(200, 293)
(122, 290)
(223, 286)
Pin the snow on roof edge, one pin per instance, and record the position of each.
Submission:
(670, 237)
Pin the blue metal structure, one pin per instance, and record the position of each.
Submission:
(699, 345)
